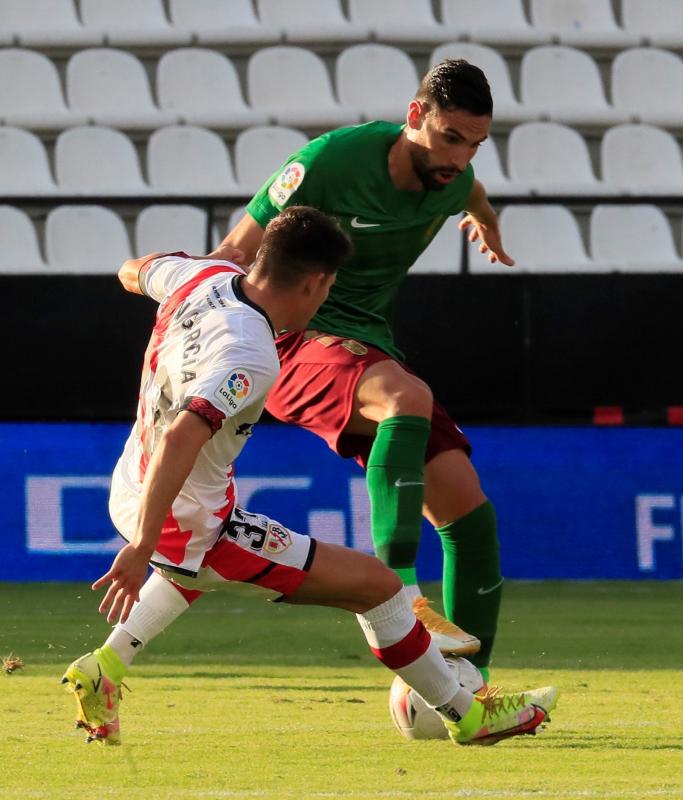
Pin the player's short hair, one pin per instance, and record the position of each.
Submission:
(298, 242)
(456, 84)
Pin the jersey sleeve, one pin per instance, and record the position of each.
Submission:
(300, 181)
(233, 374)
(159, 277)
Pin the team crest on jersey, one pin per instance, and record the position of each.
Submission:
(278, 539)
(354, 347)
(235, 389)
(284, 186)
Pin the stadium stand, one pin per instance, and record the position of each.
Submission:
(581, 24)
(501, 23)
(648, 84)
(398, 21)
(642, 159)
(311, 21)
(261, 150)
(656, 22)
(24, 167)
(20, 252)
(217, 23)
(86, 240)
(444, 253)
(375, 79)
(171, 228)
(133, 23)
(46, 23)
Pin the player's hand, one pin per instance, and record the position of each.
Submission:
(227, 252)
(126, 575)
(488, 235)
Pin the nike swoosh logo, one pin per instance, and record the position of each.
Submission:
(481, 589)
(400, 482)
(356, 224)
(96, 684)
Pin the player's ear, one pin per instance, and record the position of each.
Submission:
(416, 113)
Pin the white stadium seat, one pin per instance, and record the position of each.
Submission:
(583, 23)
(98, 161)
(24, 168)
(656, 22)
(236, 215)
(377, 80)
(566, 84)
(86, 240)
(647, 83)
(541, 238)
(46, 23)
(302, 94)
(633, 239)
(182, 159)
(506, 107)
(133, 23)
(31, 93)
(500, 23)
(488, 169)
(306, 21)
(398, 21)
(202, 87)
(216, 22)
(552, 159)
(443, 255)
(112, 88)
(261, 150)
(641, 159)
(20, 251)
(171, 228)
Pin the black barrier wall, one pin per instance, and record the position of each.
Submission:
(497, 348)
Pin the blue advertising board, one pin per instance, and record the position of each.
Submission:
(574, 503)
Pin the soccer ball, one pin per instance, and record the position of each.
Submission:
(413, 718)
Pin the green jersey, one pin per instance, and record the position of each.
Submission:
(345, 173)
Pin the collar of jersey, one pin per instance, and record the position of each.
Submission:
(241, 296)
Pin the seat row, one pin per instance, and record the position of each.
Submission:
(542, 238)
(542, 157)
(200, 86)
(547, 239)
(130, 23)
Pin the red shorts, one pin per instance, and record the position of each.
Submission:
(316, 387)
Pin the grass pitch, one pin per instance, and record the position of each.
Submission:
(246, 699)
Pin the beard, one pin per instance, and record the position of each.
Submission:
(428, 174)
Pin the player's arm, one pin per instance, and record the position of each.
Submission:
(129, 273)
(482, 221)
(246, 237)
(167, 471)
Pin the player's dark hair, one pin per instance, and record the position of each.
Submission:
(298, 242)
(456, 84)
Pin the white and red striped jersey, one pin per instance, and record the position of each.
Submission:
(212, 351)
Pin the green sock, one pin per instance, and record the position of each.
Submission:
(472, 583)
(111, 661)
(395, 480)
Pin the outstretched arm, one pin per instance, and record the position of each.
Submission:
(246, 236)
(167, 471)
(484, 226)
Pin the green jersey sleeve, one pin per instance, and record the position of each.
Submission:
(300, 181)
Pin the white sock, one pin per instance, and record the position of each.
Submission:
(160, 604)
(413, 592)
(401, 643)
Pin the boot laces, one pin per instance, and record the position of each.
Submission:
(496, 703)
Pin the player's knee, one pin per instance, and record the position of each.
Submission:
(379, 585)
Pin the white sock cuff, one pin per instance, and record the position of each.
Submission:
(160, 604)
(388, 622)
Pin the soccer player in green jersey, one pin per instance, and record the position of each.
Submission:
(392, 187)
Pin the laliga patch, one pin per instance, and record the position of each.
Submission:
(278, 539)
(284, 186)
(234, 390)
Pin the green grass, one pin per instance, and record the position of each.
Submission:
(246, 699)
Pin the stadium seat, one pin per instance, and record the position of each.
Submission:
(566, 84)
(506, 107)
(85, 239)
(260, 151)
(182, 159)
(633, 239)
(488, 169)
(46, 23)
(306, 21)
(133, 23)
(112, 88)
(541, 238)
(656, 22)
(170, 228)
(19, 251)
(302, 94)
(98, 161)
(500, 23)
(215, 22)
(552, 159)
(581, 23)
(641, 159)
(236, 216)
(443, 255)
(201, 87)
(31, 93)
(647, 83)
(377, 80)
(398, 21)
(24, 168)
